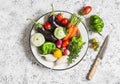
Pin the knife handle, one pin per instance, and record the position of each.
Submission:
(93, 69)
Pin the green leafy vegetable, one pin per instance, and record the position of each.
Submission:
(47, 48)
(96, 24)
(76, 44)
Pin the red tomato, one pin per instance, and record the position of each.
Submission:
(86, 10)
(65, 43)
(59, 17)
(64, 21)
(47, 25)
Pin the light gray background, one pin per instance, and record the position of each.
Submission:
(17, 65)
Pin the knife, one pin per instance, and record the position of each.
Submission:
(99, 57)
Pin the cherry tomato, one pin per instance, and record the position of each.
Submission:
(47, 25)
(59, 17)
(86, 10)
(65, 43)
(64, 21)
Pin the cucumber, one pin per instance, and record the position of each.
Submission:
(59, 33)
(37, 39)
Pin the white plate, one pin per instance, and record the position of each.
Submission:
(82, 53)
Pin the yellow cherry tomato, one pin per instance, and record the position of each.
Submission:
(57, 53)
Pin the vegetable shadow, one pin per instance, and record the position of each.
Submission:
(87, 20)
(87, 24)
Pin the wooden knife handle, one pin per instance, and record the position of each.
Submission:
(93, 69)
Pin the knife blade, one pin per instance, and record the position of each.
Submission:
(99, 57)
(103, 47)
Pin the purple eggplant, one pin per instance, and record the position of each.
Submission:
(51, 19)
(47, 34)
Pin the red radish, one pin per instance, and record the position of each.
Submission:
(59, 43)
(66, 52)
(47, 25)
(63, 48)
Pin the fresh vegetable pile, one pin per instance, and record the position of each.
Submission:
(58, 39)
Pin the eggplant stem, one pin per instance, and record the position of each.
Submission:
(37, 24)
(32, 20)
(53, 11)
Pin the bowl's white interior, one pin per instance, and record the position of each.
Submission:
(83, 32)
